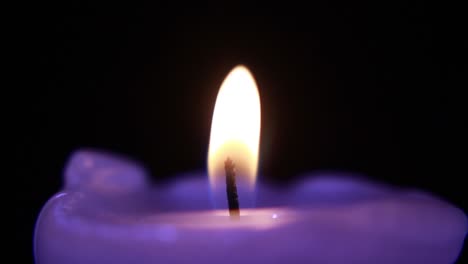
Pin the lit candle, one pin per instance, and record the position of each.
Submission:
(108, 212)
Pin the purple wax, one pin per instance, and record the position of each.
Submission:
(109, 213)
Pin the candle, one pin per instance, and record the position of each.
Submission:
(109, 213)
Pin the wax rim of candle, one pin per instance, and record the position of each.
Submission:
(89, 213)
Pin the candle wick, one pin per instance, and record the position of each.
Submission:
(231, 189)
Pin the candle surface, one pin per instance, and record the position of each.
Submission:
(108, 212)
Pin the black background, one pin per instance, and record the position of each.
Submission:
(374, 88)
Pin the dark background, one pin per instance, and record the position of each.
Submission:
(374, 88)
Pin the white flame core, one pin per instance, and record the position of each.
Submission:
(235, 128)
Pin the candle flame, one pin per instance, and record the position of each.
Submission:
(235, 128)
